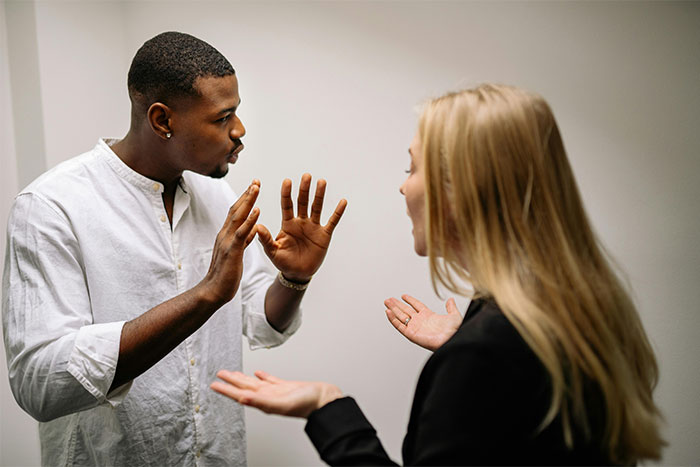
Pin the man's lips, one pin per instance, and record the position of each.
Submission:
(233, 156)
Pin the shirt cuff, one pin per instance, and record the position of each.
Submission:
(259, 331)
(93, 361)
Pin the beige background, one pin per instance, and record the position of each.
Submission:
(331, 88)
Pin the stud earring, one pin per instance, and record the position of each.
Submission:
(168, 135)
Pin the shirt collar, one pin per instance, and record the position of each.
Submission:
(126, 172)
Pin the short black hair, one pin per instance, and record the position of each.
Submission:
(168, 65)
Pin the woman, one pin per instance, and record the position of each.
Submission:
(551, 364)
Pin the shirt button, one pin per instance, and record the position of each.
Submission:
(199, 453)
(196, 408)
(179, 265)
(192, 362)
(162, 218)
(156, 187)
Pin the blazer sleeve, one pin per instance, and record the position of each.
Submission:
(342, 435)
(477, 402)
(458, 418)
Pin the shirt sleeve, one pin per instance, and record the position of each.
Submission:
(59, 361)
(257, 277)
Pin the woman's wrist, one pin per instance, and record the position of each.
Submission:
(328, 394)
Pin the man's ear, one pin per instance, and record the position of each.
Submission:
(159, 116)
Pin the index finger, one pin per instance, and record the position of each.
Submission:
(335, 217)
(240, 210)
(245, 194)
(264, 376)
(238, 379)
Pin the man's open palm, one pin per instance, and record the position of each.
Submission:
(302, 242)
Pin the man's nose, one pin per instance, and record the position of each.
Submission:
(238, 130)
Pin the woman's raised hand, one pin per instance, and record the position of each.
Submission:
(419, 324)
(274, 395)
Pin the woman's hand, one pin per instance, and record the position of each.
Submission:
(274, 395)
(424, 327)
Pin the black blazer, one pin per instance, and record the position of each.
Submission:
(480, 400)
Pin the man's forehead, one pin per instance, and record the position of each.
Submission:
(218, 91)
(210, 80)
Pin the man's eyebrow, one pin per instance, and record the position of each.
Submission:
(231, 109)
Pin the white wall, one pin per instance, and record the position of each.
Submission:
(19, 444)
(331, 88)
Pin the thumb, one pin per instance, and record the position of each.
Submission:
(266, 239)
(451, 307)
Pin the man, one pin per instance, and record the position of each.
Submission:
(117, 311)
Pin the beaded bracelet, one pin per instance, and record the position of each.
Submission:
(292, 285)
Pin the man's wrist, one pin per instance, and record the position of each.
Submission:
(206, 298)
(293, 283)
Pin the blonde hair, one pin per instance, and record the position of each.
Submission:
(503, 213)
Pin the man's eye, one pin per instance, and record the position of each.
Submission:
(224, 119)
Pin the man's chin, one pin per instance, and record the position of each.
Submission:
(220, 172)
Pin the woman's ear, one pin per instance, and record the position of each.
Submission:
(159, 119)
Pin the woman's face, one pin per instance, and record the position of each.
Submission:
(413, 190)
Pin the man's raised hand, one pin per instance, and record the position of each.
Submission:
(224, 275)
(302, 242)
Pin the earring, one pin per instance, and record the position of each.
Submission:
(168, 135)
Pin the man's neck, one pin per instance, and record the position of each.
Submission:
(146, 158)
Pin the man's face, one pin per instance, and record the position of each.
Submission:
(206, 131)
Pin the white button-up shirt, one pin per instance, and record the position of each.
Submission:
(89, 247)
